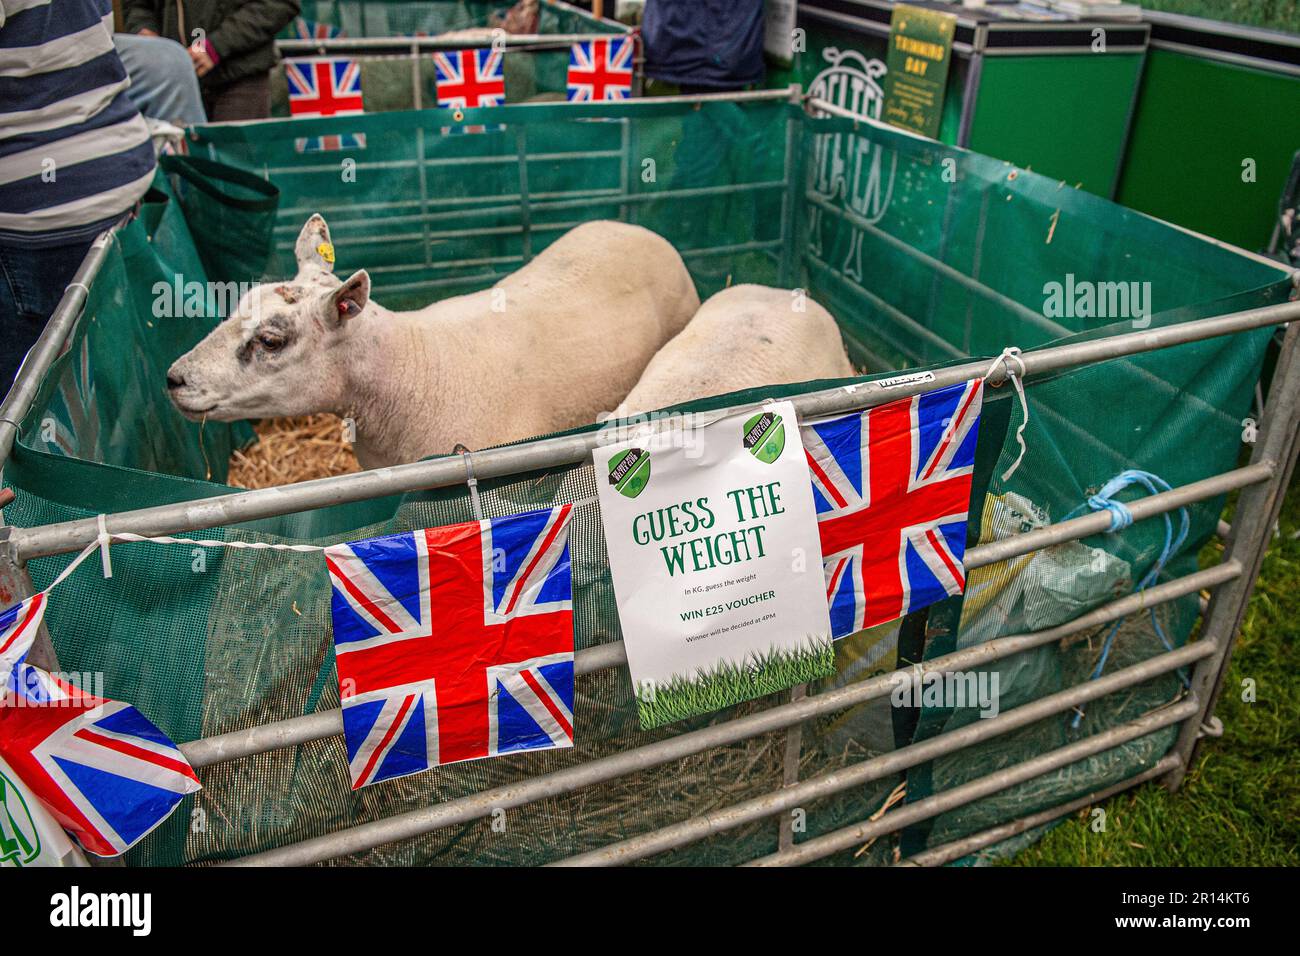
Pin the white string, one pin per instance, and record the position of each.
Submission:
(72, 566)
(105, 538)
(1012, 353)
(209, 543)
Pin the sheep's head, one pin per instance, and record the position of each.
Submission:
(283, 351)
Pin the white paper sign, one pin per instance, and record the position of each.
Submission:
(778, 30)
(716, 561)
(29, 836)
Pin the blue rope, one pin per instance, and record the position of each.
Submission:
(1121, 518)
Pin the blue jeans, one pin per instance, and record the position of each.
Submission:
(32, 282)
(164, 85)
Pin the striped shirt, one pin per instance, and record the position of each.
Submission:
(75, 153)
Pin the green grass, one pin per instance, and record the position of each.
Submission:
(729, 683)
(1272, 14)
(1240, 802)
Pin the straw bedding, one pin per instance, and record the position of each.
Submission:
(293, 449)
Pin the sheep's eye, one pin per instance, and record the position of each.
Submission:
(270, 342)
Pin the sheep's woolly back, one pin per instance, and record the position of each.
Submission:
(556, 344)
(748, 336)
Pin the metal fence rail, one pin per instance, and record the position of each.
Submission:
(1264, 478)
(1262, 483)
(417, 822)
(298, 730)
(947, 852)
(848, 837)
(328, 723)
(236, 508)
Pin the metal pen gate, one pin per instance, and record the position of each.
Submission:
(1262, 484)
(575, 26)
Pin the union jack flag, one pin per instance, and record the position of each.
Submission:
(325, 87)
(18, 627)
(601, 70)
(311, 30)
(454, 643)
(468, 78)
(100, 767)
(892, 489)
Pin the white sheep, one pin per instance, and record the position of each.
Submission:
(545, 349)
(747, 336)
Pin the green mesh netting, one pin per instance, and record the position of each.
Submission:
(925, 254)
(409, 18)
(392, 80)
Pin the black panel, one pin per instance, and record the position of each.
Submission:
(1259, 47)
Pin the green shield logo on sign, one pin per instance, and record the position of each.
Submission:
(765, 437)
(20, 843)
(629, 472)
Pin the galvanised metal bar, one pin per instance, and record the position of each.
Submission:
(877, 768)
(1037, 319)
(298, 730)
(635, 103)
(500, 159)
(427, 819)
(527, 42)
(577, 199)
(1252, 528)
(977, 789)
(947, 852)
(793, 175)
(898, 315)
(824, 106)
(239, 507)
(389, 288)
(329, 723)
(790, 766)
(1097, 522)
(42, 355)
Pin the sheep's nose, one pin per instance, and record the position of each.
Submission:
(175, 379)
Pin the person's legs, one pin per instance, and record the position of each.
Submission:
(163, 83)
(246, 99)
(32, 282)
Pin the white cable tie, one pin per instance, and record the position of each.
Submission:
(103, 540)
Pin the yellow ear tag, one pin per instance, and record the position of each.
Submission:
(326, 252)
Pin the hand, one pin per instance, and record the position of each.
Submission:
(202, 62)
(145, 32)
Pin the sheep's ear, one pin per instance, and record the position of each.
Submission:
(313, 247)
(347, 301)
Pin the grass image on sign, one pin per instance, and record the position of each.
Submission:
(729, 682)
(765, 437)
(629, 472)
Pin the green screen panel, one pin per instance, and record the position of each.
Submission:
(1197, 122)
(1065, 116)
